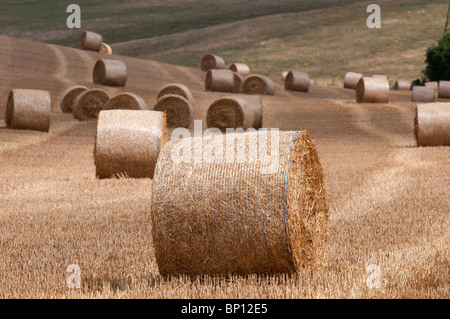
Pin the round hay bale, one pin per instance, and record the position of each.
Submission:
(110, 72)
(372, 90)
(90, 41)
(297, 81)
(402, 85)
(28, 110)
(444, 90)
(284, 75)
(177, 89)
(351, 80)
(179, 112)
(432, 124)
(126, 101)
(88, 104)
(240, 213)
(433, 84)
(423, 94)
(69, 96)
(240, 68)
(128, 143)
(235, 112)
(219, 81)
(238, 80)
(211, 61)
(258, 84)
(105, 49)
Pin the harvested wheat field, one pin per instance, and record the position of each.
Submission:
(388, 199)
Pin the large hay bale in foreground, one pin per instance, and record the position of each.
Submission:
(238, 81)
(432, 124)
(88, 104)
(177, 89)
(423, 94)
(110, 72)
(372, 90)
(239, 213)
(90, 41)
(258, 84)
(105, 49)
(297, 81)
(351, 80)
(69, 96)
(235, 112)
(402, 85)
(128, 143)
(179, 112)
(444, 90)
(126, 101)
(219, 81)
(240, 68)
(212, 61)
(28, 110)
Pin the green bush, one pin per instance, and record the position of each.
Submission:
(438, 61)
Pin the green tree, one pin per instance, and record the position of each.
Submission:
(438, 61)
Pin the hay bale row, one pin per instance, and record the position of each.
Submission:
(423, 94)
(88, 104)
(211, 62)
(28, 110)
(258, 84)
(179, 111)
(444, 89)
(402, 85)
(177, 89)
(219, 81)
(351, 80)
(432, 84)
(432, 124)
(90, 41)
(126, 101)
(110, 72)
(372, 90)
(240, 68)
(297, 81)
(238, 81)
(282, 220)
(69, 96)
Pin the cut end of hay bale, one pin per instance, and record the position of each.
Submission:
(351, 80)
(212, 61)
(126, 101)
(240, 68)
(69, 96)
(110, 72)
(219, 81)
(423, 94)
(28, 110)
(179, 112)
(88, 104)
(90, 41)
(432, 124)
(105, 49)
(128, 143)
(282, 225)
(297, 81)
(176, 89)
(258, 84)
(372, 90)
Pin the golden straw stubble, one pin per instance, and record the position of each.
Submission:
(69, 96)
(88, 104)
(28, 110)
(110, 72)
(432, 124)
(238, 212)
(179, 111)
(128, 143)
(258, 84)
(372, 90)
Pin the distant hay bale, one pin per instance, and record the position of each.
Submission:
(284, 75)
(432, 124)
(402, 85)
(239, 213)
(28, 110)
(90, 41)
(128, 143)
(444, 90)
(177, 89)
(423, 94)
(235, 112)
(238, 80)
(110, 72)
(351, 80)
(240, 68)
(105, 49)
(126, 101)
(258, 84)
(372, 90)
(69, 96)
(179, 111)
(297, 81)
(88, 104)
(211, 61)
(433, 84)
(219, 81)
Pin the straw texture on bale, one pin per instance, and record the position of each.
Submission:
(423, 94)
(28, 110)
(240, 68)
(444, 90)
(88, 104)
(110, 72)
(237, 82)
(179, 112)
(212, 61)
(177, 89)
(351, 80)
(69, 96)
(90, 41)
(297, 81)
(128, 143)
(402, 85)
(235, 112)
(105, 48)
(232, 216)
(372, 90)
(432, 124)
(258, 84)
(219, 81)
(126, 101)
